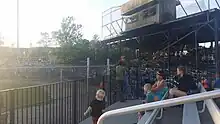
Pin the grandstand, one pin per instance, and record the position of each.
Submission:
(167, 39)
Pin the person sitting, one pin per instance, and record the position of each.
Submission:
(154, 92)
(205, 83)
(186, 84)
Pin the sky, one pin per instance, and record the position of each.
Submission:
(45, 16)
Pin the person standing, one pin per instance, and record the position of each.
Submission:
(120, 76)
(97, 106)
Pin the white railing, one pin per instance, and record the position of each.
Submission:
(212, 108)
(162, 104)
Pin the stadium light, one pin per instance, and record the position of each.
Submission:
(18, 24)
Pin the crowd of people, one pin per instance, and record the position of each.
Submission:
(152, 91)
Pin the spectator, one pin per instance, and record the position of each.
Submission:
(186, 84)
(205, 83)
(120, 76)
(157, 91)
(217, 83)
(97, 106)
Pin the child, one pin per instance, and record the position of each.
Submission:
(97, 106)
(155, 92)
(147, 90)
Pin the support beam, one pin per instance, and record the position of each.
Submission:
(208, 4)
(114, 29)
(107, 50)
(183, 9)
(169, 58)
(198, 5)
(196, 47)
(188, 34)
(169, 38)
(216, 48)
(120, 27)
(212, 45)
(120, 49)
(217, 4)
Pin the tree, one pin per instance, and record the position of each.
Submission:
(45, 40)
(69, 33)
(73, 48)
(95, 45)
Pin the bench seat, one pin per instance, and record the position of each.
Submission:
(190, 114)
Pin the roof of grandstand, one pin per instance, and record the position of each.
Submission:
(184, 26)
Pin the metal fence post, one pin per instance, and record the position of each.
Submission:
(74, 103)
(108, 81)
(61, 75)
(87, 79)
(12, 107)
(208, 4)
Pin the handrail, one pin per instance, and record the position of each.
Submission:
(154, 114)
(162, 104)
(212, 108)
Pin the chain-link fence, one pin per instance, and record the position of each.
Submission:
(14, 77)
(57, 89)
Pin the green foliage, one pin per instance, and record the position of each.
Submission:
(69, 33)
(45, 40)
(73, 49)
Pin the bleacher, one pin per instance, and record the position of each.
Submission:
(165, 37)
(200, 112)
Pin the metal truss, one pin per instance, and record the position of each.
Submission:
(116, 23)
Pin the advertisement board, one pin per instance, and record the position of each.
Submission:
(132, 4)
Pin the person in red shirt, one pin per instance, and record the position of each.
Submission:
(156, 91)
(205, 83)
